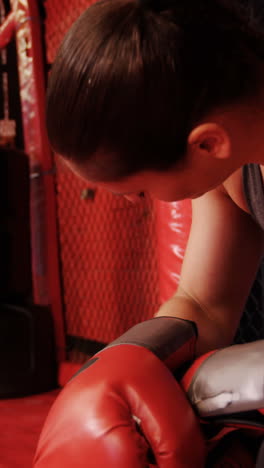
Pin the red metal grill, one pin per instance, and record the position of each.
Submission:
(108, 252)
(60, 16)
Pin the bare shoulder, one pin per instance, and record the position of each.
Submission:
(233, 187)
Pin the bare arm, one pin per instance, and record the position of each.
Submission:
(221, 260)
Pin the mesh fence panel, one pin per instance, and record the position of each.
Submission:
(252, 323)
(108, 259)
(60, 14)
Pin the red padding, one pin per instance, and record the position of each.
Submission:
(20, 425)
(173, 227)
(7, 30)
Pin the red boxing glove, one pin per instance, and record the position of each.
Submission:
(125, 409)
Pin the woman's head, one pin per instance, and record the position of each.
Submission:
(132, 79)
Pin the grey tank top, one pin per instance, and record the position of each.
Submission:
(254, 192)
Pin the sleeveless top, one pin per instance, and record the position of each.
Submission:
(252, 323)
(254, 192)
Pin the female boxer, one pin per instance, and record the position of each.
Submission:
(166, 96)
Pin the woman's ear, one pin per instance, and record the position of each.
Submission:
(211, 140)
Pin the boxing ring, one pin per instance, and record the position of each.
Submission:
(99, 263)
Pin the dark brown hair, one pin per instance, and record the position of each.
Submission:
(132, 77)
